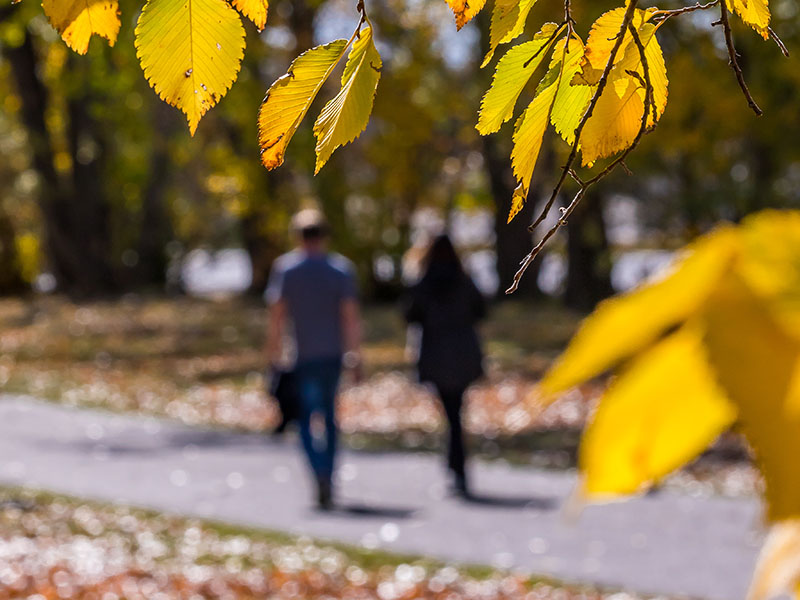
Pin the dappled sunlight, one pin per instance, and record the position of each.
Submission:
(56, 547)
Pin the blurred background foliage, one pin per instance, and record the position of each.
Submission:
(102, 191)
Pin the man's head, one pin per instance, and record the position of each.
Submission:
(310, 228)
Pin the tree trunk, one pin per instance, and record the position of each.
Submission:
(262, 248)
(512, 240)
(588, 256)
(155, 227)
(74, 210)
(11, 280)
(86, 216)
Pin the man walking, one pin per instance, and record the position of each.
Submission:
(315, 291)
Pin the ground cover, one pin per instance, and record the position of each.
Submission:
(58, 547)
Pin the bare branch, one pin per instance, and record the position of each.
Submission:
(733, 58)
(546, 45)
(649, 105)
(601, 84)
(568, 18)
(663, 15)
(779, 41)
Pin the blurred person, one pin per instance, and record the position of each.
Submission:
(315, 291)
(282, 385)
(447, 306)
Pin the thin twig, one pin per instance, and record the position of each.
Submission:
(546, 45)
(663, 15)
(576, 177)
(649, 104)
(779, 41)
(733, 57)
(568, 18)
(601, 84)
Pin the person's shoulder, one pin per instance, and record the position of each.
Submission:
(288, 261)
(342, 264)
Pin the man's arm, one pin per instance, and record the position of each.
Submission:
(275, 324)
(351, 332)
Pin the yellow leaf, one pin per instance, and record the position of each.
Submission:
(511, 76)
(603, 36)
(617, 116)
(659, 414)
(517, 202)
(78, 20)
(255, 10)
(190, 51)
(622, 326)
(778, 568)
(569, 106)
(757, 364)
(657, 69)
(753, 12)
(289, 98)
(531, 125)
(345, 116)
(508, 22)
(465, 10)
(615, 122)
(770, 263)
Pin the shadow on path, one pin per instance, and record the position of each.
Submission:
(357, 510)
(512, 502)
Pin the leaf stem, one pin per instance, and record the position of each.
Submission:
(779, 41)
(663, 15)
(601, 84)
(733, 57)
(649, 103)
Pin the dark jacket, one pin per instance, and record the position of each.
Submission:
(448, 310)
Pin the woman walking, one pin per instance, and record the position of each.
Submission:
(447, 306)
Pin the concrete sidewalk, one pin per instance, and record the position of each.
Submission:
(667, 543)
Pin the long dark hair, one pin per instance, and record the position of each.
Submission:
(443, 268)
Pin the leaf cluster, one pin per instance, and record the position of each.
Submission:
(601, 95)
(715, 342)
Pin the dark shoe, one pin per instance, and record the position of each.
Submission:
(280, 429)
(324, 494)
(460, 487)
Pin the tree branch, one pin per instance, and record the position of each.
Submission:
(733, 58)
(779, 41)
(663, 15)
(546, 45)
(649, 105)
(601, 84)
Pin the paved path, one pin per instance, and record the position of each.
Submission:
(665, 543)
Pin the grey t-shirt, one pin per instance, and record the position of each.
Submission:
(313, 287)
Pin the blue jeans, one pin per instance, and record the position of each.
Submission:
(317, 381)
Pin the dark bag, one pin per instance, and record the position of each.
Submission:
(283, 387)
